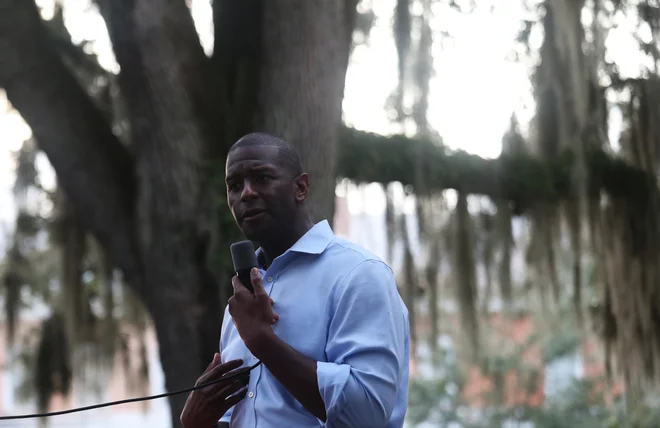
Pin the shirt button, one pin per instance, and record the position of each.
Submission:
(270, 279)
(251, 394)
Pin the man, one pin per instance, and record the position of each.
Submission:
(336, 353)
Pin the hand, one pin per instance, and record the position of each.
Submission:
(251, 313)
(205, 406)
(275, 316)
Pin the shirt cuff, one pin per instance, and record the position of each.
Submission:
(226, 417)
(332, 379)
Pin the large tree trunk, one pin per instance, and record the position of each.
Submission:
(163, 79)
(303, 69)
(176, 137)
(285, 45)
(236, 58)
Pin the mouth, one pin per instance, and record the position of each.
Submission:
(253, 214)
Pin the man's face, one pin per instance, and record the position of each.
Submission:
(262, 194)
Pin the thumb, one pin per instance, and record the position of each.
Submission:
(255, 279)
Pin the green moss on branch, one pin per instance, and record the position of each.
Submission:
(520, 178)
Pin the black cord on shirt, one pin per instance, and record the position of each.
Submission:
(237, 374)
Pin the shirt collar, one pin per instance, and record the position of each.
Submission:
(315, 241)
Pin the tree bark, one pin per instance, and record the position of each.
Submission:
(165, 76)
(305, 54)
(237, 52)
(237, 64)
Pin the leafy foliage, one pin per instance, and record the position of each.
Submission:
(438, 398)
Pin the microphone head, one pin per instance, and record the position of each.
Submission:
(242, 253)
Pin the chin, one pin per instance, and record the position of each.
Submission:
(256, 233)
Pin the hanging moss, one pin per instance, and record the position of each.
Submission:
(52, 371)
(411, 282)
(504, 235)
(465, 273)
(12, 297)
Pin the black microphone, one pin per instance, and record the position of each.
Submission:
(242, 253)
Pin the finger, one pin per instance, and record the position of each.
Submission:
(226, 391)
(219, 370)
(231, 305)
(275, 319)
(239, 288)
(214, 362)
(255, 279)
(235, 283)
(233, 400)
(272, 302)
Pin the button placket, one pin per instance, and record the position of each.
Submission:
(268, 287)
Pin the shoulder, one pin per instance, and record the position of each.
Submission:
(366, 284)
(349, 256)
(355, 267)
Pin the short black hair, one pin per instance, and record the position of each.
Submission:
(287, 155)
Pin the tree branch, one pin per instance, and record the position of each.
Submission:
(522, 179)
(92, 166)
(156, 44)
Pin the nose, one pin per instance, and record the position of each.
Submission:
(248, 191)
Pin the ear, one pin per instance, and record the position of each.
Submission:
(302, 187)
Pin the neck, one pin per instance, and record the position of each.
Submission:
(276, 247)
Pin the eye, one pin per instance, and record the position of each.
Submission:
(233, 185)
(263, 178)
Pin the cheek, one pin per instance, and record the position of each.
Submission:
(230, 204)
(289, 199)
(291, 205)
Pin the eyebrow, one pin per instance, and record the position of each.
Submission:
(264, 167)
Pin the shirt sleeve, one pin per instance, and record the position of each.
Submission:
(365, 349)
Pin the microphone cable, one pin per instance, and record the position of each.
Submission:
(239, 372)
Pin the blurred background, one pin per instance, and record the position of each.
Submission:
(502, 157)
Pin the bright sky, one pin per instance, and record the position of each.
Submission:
(473, 94)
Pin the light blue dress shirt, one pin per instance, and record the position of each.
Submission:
(339, 305)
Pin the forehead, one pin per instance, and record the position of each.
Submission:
(249, 157)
